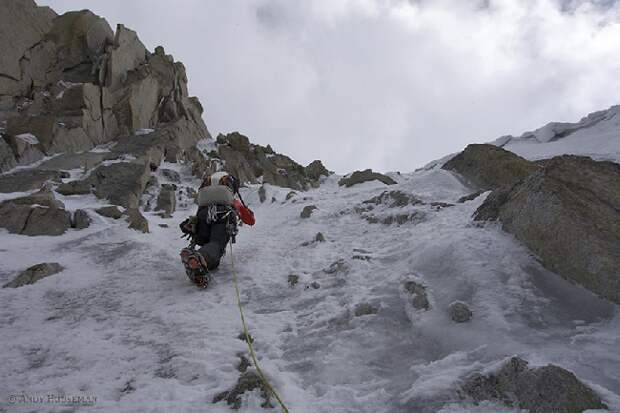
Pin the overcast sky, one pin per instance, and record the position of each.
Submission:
(385, 84)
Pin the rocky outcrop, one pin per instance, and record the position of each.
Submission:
(72, 83)
(35, 273)
(316, 170)
(23, 27)
(367, 175)
(567, 214)
(250, 162)
(489, 167)
(538, 390)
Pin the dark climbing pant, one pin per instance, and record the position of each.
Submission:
(212, 237)
(215, 248)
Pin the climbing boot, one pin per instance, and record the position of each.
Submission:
(195, 267)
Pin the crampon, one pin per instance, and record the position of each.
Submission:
(195, 267)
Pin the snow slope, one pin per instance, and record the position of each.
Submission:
(124, 324)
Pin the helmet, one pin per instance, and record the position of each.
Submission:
(221, 178)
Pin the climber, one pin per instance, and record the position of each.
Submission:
(214, 225)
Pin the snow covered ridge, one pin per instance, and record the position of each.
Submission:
(597, 136)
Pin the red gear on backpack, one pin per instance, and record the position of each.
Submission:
(245, 213)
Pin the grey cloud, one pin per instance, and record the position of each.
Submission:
(386, 84)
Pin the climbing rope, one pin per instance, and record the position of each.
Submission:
(247, 336)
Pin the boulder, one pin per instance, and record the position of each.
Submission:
(137, 221)
(47, 221)
(81, 219)
(307, 211)
(109, 212)
(567, 214)
(535, 389)
(33, 274)
(36, 214)
(27, 180)
(488, 166)
(417, 292)
(74, 188)
(459, 312)
(167, 200)
(120, 183)
(367, 175)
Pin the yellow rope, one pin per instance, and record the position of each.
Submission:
(247, 336)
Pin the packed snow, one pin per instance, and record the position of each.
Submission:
(123, 323)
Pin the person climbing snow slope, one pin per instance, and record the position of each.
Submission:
(213, 226)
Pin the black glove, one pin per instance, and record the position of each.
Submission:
(188, 226)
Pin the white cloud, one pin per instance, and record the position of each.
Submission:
(388, 84)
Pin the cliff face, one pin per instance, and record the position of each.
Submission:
(69, 83)
(72, 88)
